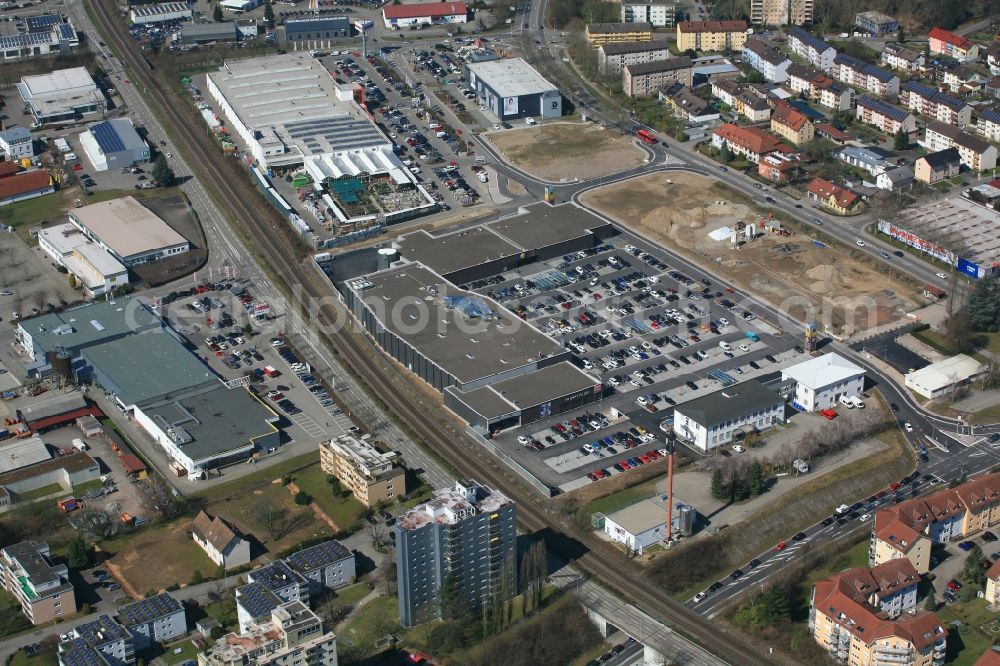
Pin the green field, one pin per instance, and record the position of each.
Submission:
(344, 510)
(966, 643)
(261, 477)
(38, 493)
(187, 651)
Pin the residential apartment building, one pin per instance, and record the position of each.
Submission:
(781, 12)
(807, 45)
(611, 58)
(832, 196)
(292, 636)
(907, 530)
(466, 535)
(974, 152)
(42, 588)
(866, 76)
(988, 124)
(819, 87)
(934, 167)
(101, 641)
(897, 56)
(611, 33)
(992, 592)
(685, 104)
(945, 43)
(876, 23)
(930, 102)
(742, 99)
(658, 14)
(769, 61)
(707, 36)
(752, 143)
(712, 420)
(895, 179)
(371, 475)
(886, 117)
(778, 167)
(992, 87)
(993, 58)
(790, 124)
(858, 617)
(647, 78)
(962, 79)
(836, 97)
(156, 619)
(871, 160)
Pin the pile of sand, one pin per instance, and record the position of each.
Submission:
(825, 278)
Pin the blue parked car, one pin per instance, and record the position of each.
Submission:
(966, 545)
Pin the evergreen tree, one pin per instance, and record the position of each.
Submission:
(217, 13)
(930, 604)
(719, 489)
(268, 11)
(161, 171)
(972, 571)
(774, 606)
(452, 602)
(77, 555)
(983, 307)
(902, 140)
(755, 478)
(724, 153)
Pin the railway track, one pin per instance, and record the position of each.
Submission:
(275, 243)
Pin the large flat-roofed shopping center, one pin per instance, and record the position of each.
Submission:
(292, 114)
(494, 368)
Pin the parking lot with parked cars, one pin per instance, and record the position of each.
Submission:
(654, 330)
(215, 317)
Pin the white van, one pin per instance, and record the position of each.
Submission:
(441, 135)
(725, 346)
(847, 401)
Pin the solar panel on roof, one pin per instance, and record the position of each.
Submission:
(107, 138)
(257, 600)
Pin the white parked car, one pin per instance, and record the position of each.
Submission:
(522, 440)
(642, 401)
(745, 348)
(613, 381)
(866, 517)
(723, 321)
(738, 449)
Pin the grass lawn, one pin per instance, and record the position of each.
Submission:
(187, 651)
(854, 556)
(45, 658)
(87, 486)
(375, 620)
(352, 594)
(966, 643)
(37, 493)
(622, 498)
(343, 510)
(33, 211)
(260, 477)
(12, 620)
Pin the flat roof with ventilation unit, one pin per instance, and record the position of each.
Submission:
(444, 324)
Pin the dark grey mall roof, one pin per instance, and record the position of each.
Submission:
(532, 227)
(410, 302)
(732, 402)
(525, 391)
(148, 366)
(224, 420)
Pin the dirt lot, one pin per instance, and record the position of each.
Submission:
(567, 151)
(789, 271)
(162, 555)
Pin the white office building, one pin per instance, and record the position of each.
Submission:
(96, 271)
(16, 143)
(821, 381)
(714, 419)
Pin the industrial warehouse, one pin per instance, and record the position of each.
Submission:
(512, 88)
(293, 116)
(496, 370)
